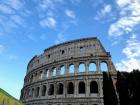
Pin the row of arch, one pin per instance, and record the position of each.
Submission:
(64, 70)
(58, 89)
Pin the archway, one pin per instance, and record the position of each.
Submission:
(70, 88)
(82, 89)
(93, 87)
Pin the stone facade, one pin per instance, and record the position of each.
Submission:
(68, 74)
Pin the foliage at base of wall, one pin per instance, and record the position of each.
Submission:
(7, 99)
(128, 87)
(126, 91)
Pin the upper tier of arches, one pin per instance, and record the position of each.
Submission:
(73, 49)
(67, 69)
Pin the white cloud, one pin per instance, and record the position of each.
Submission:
(75, 2)
(106, 9)
(132, 53)
(13, 57)
(123, 3)
(17, 19)
(49, 22)
(106, 14)
(70, 13)
(60, 38)
(133, 47)
(6, 9)
(32, 37)
(13, 14)
(49, 7)
(128, 64)
(129, 18)
(2, 48)
(16, 4)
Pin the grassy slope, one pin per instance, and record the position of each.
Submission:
(9, 100)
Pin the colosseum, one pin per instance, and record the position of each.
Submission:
(70, 73)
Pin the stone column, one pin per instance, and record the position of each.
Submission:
(55, 89)
(87, 67)
(65, 89)
(76, 68)
(58, 71)
(42, 76)
(66, 69)
(51, 73)
(100, 87)
(40, 91)
(98, 68)
(47, 89)
(76, 88)
(109, 65)
(48, 71)
(87, 87)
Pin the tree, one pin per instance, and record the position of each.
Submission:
(110, 97)
(122, 88)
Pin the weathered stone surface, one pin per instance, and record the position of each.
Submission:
(50, 79)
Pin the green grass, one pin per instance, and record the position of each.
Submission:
(10, 96)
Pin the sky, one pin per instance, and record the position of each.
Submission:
(27, 27)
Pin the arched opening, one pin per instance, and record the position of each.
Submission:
(104, 66)
(48, 73)
(41, 75)
(43, 90)
(51, 89)
(32, 94)
(28, 93)
(82, 49)
(92, 67)
(70, 88)
(82, 89)
(71, 68)
(62, 70)
(31, 78)
(37, 92)
(35, 76)
(54, 71)
(82, 67)
(60, 88)
(93, 87)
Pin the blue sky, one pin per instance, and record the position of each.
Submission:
(27, 27)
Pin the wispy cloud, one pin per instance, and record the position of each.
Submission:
(105, 14)
(48, 7)
(2, 48)
(13, 57)
(12, 15)
(97, 3)
(133, 47)
(128, 64)
(6, 9)
(17, 19)
(70, 13)
(132, 53)
(49, 22)
(60, 38)
(31, 37)
(129, 18)
(61, 35)
(75, 2)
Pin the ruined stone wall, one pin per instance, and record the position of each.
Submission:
(67, 74)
